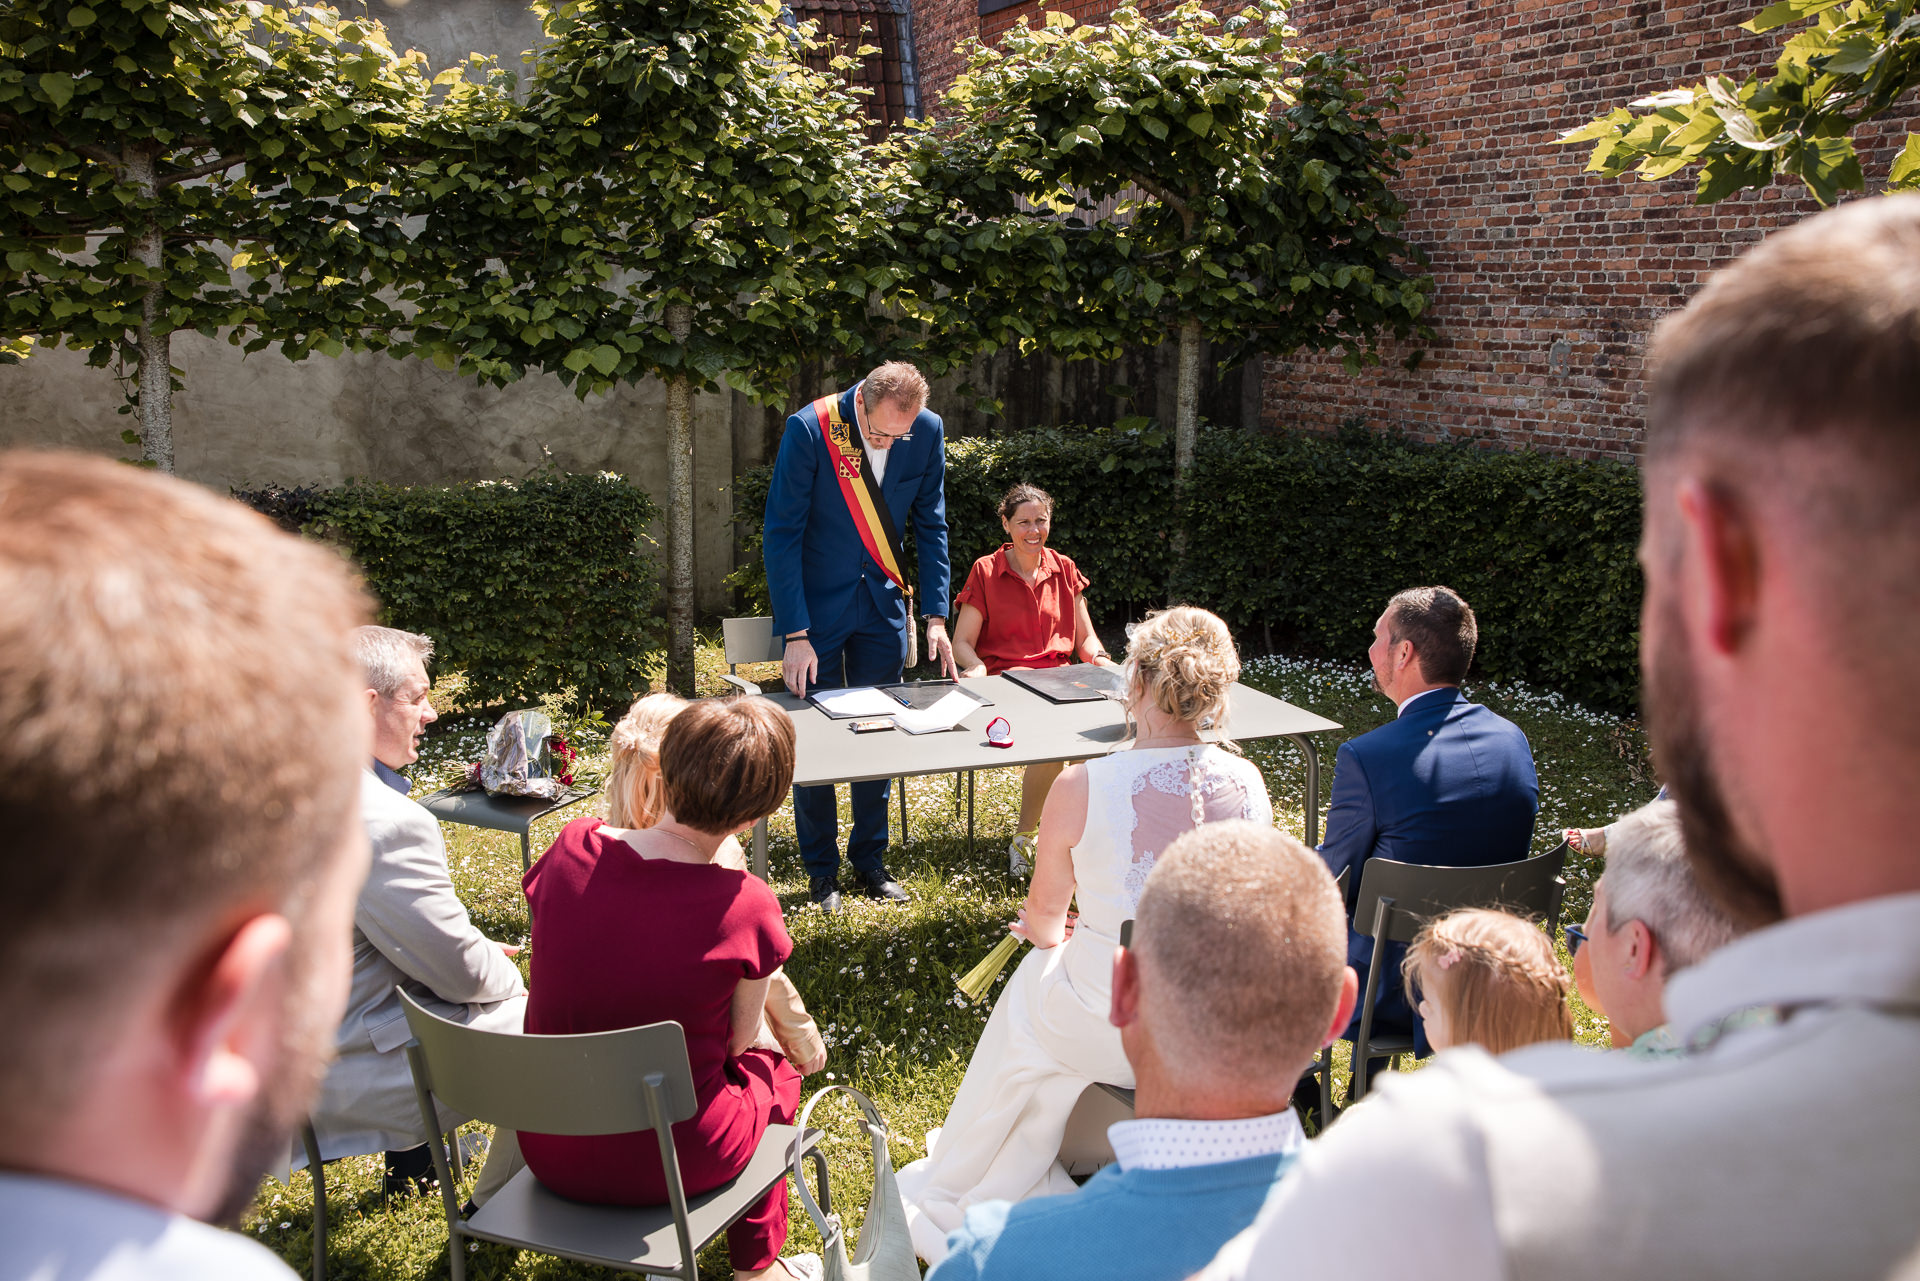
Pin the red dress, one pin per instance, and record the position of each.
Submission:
(620, 941)
(1022, 624)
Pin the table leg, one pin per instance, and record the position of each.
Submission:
(760, 849)
(969, 811)
(1311, 810)
(526, 851)
(901, 785)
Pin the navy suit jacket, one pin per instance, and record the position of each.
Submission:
(1447, 784)
(814, 557)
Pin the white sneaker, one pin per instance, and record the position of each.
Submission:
(1020, 851)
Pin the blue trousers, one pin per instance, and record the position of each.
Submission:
(865, 648)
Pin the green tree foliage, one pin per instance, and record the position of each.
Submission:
(1849, 63)
(672, 200)
(145, 141)
(1093, 187)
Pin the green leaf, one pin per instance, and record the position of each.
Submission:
(1785, 11)
(1200, 123)
(1155, 126)
(1906, 166)
(58, 86)
(605, 359)
(80, 16)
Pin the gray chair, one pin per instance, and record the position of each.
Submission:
(317, 1169)
(600, 1083)
(1396, 899)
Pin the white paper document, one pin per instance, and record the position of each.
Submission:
(862, 700)
(945, 714)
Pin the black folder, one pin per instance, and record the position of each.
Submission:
(1074, 683)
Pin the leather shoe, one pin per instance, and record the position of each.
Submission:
(879, 885)
(825, 892)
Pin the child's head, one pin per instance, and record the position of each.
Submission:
(1489, 979)
(633, 784)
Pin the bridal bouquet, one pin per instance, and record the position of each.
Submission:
(974, 983)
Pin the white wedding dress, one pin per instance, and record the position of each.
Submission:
(1048, 1037)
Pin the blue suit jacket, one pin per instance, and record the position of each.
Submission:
(1448, 784)
(1132, 1225)
(814, 557)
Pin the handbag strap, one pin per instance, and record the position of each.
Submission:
(876, 1125)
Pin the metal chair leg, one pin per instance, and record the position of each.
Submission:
(318, 1170)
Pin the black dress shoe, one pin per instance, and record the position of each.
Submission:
(879, 885)
(825, 892)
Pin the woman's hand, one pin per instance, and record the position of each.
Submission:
(1019, 930)
(978, 669)
(812, 1065)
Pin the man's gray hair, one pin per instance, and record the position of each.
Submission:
(1648, 879)
(386, 656)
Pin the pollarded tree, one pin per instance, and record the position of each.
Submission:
(1202, 180)
(145, 140)
(1851, 62)
(675, 200)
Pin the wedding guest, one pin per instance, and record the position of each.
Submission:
(1781, 545)
(636, 800)
(1236, 976)
(1488, 979)
(1024, 607)
(1650, 918)
(181, 738)
(1105, 823)
(411, 932)
(640, 925)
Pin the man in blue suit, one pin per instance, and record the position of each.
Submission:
(854, 471)
(1446, 784)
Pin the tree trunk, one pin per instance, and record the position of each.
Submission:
(680, 516)
(155, 401)
(1186, 429)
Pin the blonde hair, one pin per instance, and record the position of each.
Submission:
(1184, 662)
(635, 797)
(1496, 977)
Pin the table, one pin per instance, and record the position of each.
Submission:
(501, 813)
(828, 752)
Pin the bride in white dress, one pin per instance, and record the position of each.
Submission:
(1104, 823)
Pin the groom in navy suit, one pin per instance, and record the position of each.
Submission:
(1448, 783)
(856, 469)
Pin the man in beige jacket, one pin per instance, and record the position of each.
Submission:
(410, 931)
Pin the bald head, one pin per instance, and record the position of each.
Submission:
(1242, 949)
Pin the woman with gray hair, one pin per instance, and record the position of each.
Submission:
(1649, 919)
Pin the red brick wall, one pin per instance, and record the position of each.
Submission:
(1548, 279)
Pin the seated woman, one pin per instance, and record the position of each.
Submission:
(634, 926)
(1104, 823)
(636, 800)
(1024, 607)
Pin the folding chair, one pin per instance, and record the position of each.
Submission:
(1397, 898)
(317, 1170)
(599, 1083)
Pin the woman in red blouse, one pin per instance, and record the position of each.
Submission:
(637, 926)
(1024, 607)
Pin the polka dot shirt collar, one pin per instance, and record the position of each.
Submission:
(1162, 1143)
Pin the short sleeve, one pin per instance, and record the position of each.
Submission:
(975, 592)
(766, 945)
(1074, 576)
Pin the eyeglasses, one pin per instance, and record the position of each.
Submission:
(1576, 935)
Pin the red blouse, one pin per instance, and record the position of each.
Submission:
(620, 941)
(1024, 625)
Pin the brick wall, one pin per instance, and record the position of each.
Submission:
(1547, 279)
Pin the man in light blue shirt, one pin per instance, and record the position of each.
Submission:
(1236, 975)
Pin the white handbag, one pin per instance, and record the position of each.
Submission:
(885, 1250)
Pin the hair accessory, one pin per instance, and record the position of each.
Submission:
(1447, 959)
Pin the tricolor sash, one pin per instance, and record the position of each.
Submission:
(860, 490)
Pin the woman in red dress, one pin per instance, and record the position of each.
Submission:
(1024, 607)
(636, 926)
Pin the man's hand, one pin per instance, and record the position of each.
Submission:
(940, 648)
(812, 1065)
(799, 665)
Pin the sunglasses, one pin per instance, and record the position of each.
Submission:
(1576, 935)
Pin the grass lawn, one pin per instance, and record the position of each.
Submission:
(880, 979)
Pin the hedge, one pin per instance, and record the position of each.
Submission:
(1299, 540)
(527, 586)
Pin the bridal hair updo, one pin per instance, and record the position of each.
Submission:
(1182, 661)
(635, 797)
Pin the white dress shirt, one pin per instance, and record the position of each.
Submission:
(1414, 698)
(52, 1230)
(877, 459)
(1781, 1146)
(1162, 1143)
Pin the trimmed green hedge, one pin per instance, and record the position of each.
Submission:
(1301, 539)
(527, 586)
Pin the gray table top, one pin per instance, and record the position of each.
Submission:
(500, 813)
(829, 752)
